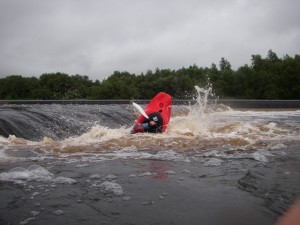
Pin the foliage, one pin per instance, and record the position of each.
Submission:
(265, 78)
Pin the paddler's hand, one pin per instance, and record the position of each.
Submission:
(152, 123)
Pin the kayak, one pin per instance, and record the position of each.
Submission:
(158, 110)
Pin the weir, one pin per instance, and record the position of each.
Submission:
(233, 103)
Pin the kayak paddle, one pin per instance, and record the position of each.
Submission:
(140, 109)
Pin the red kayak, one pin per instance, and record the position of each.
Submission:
(159, 112)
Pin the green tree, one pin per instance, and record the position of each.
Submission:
(18, 87)
(266, 78)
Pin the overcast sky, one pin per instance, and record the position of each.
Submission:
(97, 37)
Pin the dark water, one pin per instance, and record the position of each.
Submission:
(33, 122)
(70, 164)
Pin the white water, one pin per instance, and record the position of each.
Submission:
(199, 128)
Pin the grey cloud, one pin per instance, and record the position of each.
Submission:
(96, 37)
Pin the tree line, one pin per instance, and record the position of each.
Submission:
(266, 78)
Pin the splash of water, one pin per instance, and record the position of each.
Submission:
(202, 97)
(197, 120)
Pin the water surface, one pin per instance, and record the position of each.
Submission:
(70, 163)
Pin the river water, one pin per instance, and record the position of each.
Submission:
(213, 165)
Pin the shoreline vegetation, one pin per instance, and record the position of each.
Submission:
(266, 78)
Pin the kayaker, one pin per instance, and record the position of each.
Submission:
(152, 125)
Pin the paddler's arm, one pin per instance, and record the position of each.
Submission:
(148, 124)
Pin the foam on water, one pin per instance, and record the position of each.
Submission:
(261, 156)
(33, 173)
(3, 155)
(213, 162)
(3, 140)
(64, 180)
(108, 187)
(96, 134)
(132, 152)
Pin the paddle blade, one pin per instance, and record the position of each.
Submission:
(140, 109)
